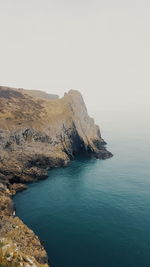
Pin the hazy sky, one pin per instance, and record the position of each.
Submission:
(100, 47)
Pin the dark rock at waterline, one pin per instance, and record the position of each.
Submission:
(15, 188)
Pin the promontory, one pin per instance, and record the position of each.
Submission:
(38, 131)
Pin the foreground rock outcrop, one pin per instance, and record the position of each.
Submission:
(19, 246)
(38, 132)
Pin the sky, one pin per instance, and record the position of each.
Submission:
(99, 47)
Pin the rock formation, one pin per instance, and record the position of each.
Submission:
(38, 132)
(19, 246)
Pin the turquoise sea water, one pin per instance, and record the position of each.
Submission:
(97, 213)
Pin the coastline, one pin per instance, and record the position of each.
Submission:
(36, 135)
(14, 233)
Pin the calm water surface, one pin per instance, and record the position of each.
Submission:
(96, 213)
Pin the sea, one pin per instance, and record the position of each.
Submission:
(96, 213)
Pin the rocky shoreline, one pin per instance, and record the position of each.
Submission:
(19, 246)
(37, 133)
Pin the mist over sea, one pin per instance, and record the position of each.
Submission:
(93, 212)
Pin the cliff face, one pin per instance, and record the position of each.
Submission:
(39, 132)
(36, 133)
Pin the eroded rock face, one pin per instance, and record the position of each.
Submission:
(86, 129)
(6, 203)
(38, 133)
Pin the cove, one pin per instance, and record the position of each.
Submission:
(93, 212)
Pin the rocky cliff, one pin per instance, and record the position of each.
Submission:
(39, 132)
(19, 246)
